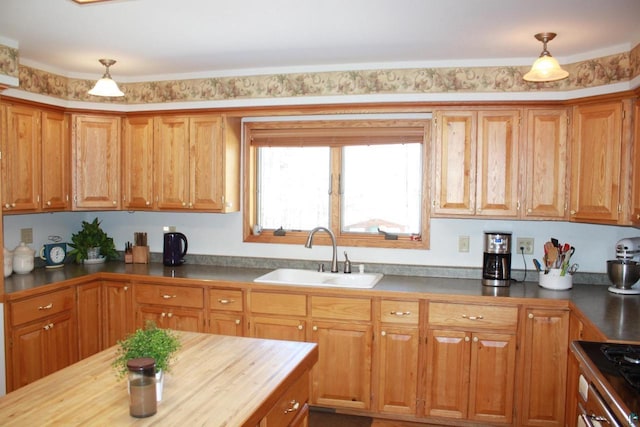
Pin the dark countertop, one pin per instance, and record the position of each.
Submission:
(617, 316)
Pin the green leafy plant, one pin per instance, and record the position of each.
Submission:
(151, 341)
(92, 236)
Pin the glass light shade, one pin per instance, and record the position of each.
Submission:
(545, 69)
(106, 87)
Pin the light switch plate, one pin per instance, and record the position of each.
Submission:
(463, 243)
(26, 235)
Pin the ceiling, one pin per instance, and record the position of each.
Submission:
(156, 38)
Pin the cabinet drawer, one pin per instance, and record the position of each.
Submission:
(473, 316)
(336, 308)
(225, 299)
(280, 304)
(291, 404)
(406, 312)
(41, 306)
(179, 296)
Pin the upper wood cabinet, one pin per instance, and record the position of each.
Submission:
(545, 158)
(596, 163)
(21, 159)
(476, 163)
(56, 158)
(635, 186)
(96, 162)
(197, 163)
(137, 163)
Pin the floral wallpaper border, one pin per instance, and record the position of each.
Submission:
(595, 72)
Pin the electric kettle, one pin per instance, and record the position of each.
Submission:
(175, 248)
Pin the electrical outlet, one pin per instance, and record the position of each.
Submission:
(169, 228)
(26, 235)
(463, 243)
(526, 243)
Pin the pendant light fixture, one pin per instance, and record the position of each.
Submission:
(106, 86)
(546, 68)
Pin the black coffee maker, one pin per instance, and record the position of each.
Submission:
(175, 248)
(496, 265)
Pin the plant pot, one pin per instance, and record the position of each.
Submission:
(93, 253)
(159, 384)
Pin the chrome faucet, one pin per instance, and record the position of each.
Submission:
(334, 258)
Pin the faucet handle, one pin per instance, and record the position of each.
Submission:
(347, 263)
(321, 267)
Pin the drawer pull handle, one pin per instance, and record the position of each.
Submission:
(166, 296)
(46, 307)
(295, 405)
(48, 326)
(226, 301)
(464, 316)
(400, 313)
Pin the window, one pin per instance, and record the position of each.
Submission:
(363, 179)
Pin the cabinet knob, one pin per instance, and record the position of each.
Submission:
(315, 328)
(530, 316)
(184, 204)
(13, 205)
(48, 202)
(300, 327)
(169, 315)
(147, 203)
(126, 288)
(115, 202)
(466, 339)
(163, 314)
(475, 339)
(237, 321)
(7, 206)
(383, 333)
(573, 212)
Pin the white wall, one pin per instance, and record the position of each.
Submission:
(221, 234)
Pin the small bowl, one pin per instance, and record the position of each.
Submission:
(623, 274)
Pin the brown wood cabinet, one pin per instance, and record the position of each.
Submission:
(343, 330)
(42, 336)
(545, 160)
(56, 158)
(21, 159)
(544, 367)
(96, 162)
(396, 356)
(471, 359)
(137, 163)
(635, 185)
(117, 311)
(476, 163)
(197, 163)
(174, 307)
(596, 163)
(89, 309)
(280, 316)
(226, 312)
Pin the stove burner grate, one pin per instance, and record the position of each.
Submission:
(626, 358)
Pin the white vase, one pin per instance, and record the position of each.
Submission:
(159, 384)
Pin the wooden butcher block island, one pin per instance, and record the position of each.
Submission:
(215, 381)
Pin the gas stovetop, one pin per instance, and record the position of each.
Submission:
(616, 368)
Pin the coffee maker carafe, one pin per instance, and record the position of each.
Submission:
(175, 248)
(496, 265)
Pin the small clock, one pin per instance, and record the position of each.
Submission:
(54, 254)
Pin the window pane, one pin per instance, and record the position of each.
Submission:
(293, 187)
(382, 188)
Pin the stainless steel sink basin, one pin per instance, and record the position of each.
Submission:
(292, 276)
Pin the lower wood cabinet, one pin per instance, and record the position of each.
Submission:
(173, 307)
(470, 364)
(42, 336)
(226, 312)
(117, 311)
(89, 303)
(544, 367)
(279, 316)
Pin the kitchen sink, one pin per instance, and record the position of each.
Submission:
(292, 276)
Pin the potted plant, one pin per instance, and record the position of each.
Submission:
(89, 237)
(150, 341)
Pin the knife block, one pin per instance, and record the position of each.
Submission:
(140, 254)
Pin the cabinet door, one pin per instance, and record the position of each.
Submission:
(117, 311)
(205, 163)
(56, 172)
(277, 328)
(41, 348)
(171, 167)
(544, 367)
(448, 355)
(137, 163)
(179, 319)
(455, 163)
(21, 160)
(342, 375)
(226, 324)
(89, 319)
(398, 369)
(492, 377)
(96, 162)
(497, 163)
(595, 163)
(545, 158)
(635, 202)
